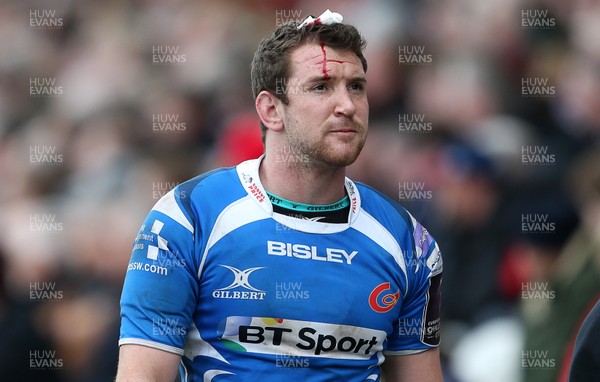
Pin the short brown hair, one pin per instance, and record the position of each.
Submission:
(272, 58)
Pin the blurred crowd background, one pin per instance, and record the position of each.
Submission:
(105, 106)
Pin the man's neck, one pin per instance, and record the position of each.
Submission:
(300, 182)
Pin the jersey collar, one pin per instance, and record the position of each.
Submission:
(248, 174)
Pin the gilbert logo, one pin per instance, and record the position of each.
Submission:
(241, 279)
(380, 302)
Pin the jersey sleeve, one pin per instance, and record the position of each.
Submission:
(418, 325)
(160, 290)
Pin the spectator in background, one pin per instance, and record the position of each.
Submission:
(585, 364)
(468, 217)
(566, 286)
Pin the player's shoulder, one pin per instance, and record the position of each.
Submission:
(202, 196)
(211, 181)
(382, 207)
(394, 217)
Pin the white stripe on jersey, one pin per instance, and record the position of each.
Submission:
(151, 344)
(237, 214)
(211, 374)
(369, 226)
(168, 206)
(196, 346)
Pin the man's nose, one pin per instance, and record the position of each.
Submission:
(344, 103)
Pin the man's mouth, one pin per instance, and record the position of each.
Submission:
(344, 131)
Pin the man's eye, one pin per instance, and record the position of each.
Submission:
(320, 87)
(357, 86)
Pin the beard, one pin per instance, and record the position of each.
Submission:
(324, 149)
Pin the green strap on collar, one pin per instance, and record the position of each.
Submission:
(301, 207)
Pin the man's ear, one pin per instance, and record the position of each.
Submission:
(266, 107)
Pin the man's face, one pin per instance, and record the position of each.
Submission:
(326, 119)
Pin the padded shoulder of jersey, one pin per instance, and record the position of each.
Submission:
(399, 221)
(384, 209)
(209, 193)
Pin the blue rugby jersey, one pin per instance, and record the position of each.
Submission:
(245, 294)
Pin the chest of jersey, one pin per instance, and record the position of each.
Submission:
(267, 288)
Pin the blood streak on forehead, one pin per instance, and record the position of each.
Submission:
(325, 61)
(306, 55)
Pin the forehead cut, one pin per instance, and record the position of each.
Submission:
(318, 58)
